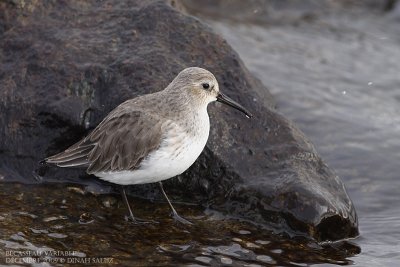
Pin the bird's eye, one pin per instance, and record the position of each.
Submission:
(206, 85)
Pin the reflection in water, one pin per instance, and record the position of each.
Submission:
(42, 223)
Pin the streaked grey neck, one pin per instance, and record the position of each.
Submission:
(186, 109)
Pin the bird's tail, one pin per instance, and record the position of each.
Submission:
(75, 156)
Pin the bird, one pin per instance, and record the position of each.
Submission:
(152, 137)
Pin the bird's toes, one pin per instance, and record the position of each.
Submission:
(139, 221)
(180, 219)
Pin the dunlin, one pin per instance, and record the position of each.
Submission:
(152, 137)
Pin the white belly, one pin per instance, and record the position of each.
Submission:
(177, 152)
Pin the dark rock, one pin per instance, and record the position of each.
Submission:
(66, 64)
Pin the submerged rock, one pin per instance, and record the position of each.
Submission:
(65, 65)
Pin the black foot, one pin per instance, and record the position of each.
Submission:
(136, 220)
(180, 219)
(175, 215)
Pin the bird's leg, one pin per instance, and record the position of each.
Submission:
(127, 203)
(131, 217)
(175, 215)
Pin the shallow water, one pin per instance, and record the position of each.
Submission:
(338, 77)
(61, 225)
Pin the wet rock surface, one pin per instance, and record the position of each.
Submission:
(65, 65)
(67, 228)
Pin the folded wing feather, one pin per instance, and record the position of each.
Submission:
(120, 142)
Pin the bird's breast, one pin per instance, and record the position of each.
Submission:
(185, 142)
(178, 150)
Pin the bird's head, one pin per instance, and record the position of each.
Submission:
(202, 86)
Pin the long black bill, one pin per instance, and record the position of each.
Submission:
(226, 100)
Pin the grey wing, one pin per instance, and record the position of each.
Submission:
(119, 142)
